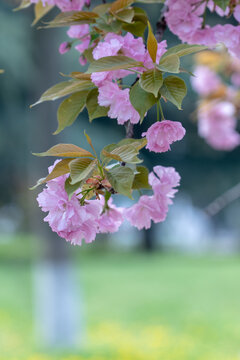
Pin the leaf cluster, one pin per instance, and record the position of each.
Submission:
(117, 170)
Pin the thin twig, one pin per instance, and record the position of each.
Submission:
(222, 201)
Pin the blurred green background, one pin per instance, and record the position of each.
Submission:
(169, 293)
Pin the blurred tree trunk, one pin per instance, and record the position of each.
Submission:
(55, 298)
(149, 239)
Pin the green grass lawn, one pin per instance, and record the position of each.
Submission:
(137, 307)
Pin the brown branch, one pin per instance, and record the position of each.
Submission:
(161, 24)
(223, 200)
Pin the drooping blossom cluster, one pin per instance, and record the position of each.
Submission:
(154, 208)
(72, 221)
(75, 222)
(90, 210)
(186, 19)
(219, 102)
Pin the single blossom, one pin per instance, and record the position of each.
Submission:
(118, 100)
(205, 81)
(163, 181)
(64, 47)
(141, 213)
(162, 134)
(217, 125)
(154, 208)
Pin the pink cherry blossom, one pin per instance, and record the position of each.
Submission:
(64, 47)
(78, 31)
(109, 47)
(166, 180)
(205, 80)
(111, 219)
(235, 79)
(212, 7)
(155, 207)
(162, 134)
(67, 217)
(236, 13)
(230, 36)
(141, 213)
(217, 123)
(118, 100)
(70, 5)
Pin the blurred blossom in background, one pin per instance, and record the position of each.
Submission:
(170, 292)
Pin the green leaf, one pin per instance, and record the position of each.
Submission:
(141, 100)
(69, 188)
(69, 109)
(141, 179)
(39, 182)
(40, 11)
(80, 169)
(101, 9)
(170, 64)
(73, 18)
(114, 26)
(152, 44)
(94, 109)
(64, 88)
(23, 5)
(124, 153)
(174, 89)
(120, 4)
(121, 179)
(61, 168)
(125, 15)
(139, 22)
(183, 50)
(222, 3)
(65, 150)
(136, 28)
(88, 55)
(151, 81)
(137, 143)
(89, 141)
(110, 63)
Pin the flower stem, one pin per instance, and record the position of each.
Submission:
(161, 110)
(158, 109)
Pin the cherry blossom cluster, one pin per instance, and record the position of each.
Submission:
(74, 221)
(219, 101)
(186, 19)
(80, 188)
